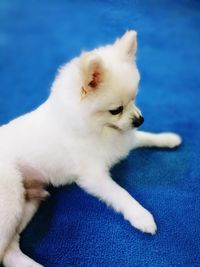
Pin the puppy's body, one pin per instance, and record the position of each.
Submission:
(84, 128)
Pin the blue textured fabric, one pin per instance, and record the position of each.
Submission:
(73, 228)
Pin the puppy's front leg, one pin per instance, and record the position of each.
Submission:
(103, 187)
(145, 139)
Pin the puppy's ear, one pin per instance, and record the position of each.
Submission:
(127, 45)
(92, 71)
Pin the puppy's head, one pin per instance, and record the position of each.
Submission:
(110, 83)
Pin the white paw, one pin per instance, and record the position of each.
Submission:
(144, 222)
(17, 259)
(170, 140)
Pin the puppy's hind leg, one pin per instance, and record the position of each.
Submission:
(11, 204)
(145, 139)
(14, 257)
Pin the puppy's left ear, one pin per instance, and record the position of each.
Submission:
(92, 71)
(127, 45)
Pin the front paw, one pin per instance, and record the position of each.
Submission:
(169, 140)
(144, 222)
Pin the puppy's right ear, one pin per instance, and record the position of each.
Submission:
(127, 45)
(92, 72)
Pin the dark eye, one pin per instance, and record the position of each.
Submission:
(116, 111)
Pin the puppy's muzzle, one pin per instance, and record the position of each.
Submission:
(136, 122)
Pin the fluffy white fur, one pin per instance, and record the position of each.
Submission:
(73, 137)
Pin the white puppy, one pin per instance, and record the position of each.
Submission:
(87, 125)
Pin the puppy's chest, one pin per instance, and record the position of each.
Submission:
(109, 149)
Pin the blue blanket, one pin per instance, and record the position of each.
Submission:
(73, 228)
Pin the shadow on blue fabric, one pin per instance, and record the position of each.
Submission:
(73, 228)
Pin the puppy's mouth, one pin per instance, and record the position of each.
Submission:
(114, 127)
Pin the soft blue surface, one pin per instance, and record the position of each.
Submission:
(73, 228)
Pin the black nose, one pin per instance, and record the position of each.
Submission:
(137, 121)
